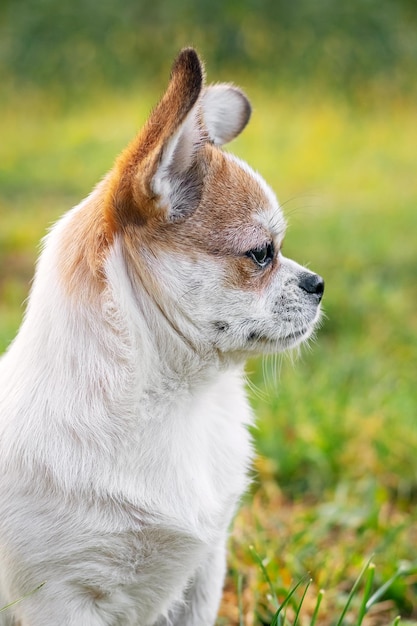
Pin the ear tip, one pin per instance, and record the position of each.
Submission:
(227, 111)
(188, 63)
(246, 108)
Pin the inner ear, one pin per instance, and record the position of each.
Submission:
(178, 179)
(226, 112)
(178, 152)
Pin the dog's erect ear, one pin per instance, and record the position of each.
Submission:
(154, 172)
(226, 112)
(159, 172)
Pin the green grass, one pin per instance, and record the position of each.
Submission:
(336, 482)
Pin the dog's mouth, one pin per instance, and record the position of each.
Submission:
(296, 336)
(266, 340)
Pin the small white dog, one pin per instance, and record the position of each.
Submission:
(123, 418)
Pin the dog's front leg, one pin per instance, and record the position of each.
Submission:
(202, 597)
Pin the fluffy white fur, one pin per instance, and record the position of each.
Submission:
(123, 422)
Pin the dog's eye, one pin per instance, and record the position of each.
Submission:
(262, 256)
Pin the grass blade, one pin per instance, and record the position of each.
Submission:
(266, 575)
(301, 602)
(366, 594)
(277, 619)
(8, 606)
(352, 593)
(317, 607)
(381, 591)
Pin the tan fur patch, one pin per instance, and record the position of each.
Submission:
(84, 247)
(224, 226)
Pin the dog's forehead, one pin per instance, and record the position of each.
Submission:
(238, 207)
(268, 212)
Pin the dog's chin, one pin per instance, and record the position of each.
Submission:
(272, 344)
(297, 338)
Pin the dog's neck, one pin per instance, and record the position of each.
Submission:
(117, 335)
(166, 344)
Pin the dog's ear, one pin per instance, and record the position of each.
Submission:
(226, 112)
(156, 174)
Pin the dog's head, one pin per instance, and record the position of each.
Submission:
(201, 231)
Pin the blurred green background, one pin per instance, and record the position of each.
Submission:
(330, 43)
(334, 131)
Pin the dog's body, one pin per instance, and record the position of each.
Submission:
(123, 419)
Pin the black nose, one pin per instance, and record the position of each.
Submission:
(312, 283)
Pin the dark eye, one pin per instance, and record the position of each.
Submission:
(262, 256)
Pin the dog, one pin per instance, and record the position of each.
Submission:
(124, 446)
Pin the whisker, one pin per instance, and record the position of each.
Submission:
(255, 390)
(187, 292)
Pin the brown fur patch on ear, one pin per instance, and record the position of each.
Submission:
(130, 198)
